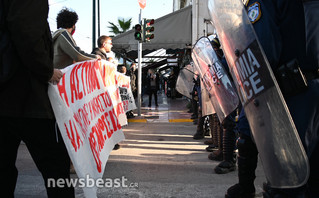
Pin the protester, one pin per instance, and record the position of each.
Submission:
(277, 30)
(122, 69)
(172, 78)
(152, 86)
(103, 50)
(26, 115)
(132, 76)
(66, 52)
(104, 44)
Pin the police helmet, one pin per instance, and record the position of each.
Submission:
(215, 43)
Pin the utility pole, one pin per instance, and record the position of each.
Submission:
(139, 71)
(93, 24)
(98, 19)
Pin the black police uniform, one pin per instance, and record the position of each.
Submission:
(280, 28)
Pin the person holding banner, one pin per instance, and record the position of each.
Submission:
(104, 49)
(66, 52)
(26, 66)
(276, 32)
(104, 44)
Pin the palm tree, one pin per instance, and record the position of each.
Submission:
(122, 26)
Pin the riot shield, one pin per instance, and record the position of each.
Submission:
(280, 149)
(184, 83)
(207, 106)
(215, 79)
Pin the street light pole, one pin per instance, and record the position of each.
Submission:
(93, 24)
(98, 18)
(139, 71)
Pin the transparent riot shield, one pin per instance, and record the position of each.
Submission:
(185, 83)
(215, 79)
(284, 160)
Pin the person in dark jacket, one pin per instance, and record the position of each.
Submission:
(104, 49)
(172, 78)
(152, 86)
(102, 43)
(132, 74)
(26, 114)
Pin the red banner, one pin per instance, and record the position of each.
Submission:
(89, 111)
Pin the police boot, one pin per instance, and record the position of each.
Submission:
(200, 129)
(214, 126)
(218, 154)
(229, 162)
(247, 163)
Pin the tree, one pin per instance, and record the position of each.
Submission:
(122, 26)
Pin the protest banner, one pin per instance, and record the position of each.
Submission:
(86, 105)
(126, 92)
(113, 80)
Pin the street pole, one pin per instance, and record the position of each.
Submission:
(98, 18)
(93, 24)
(139, 71)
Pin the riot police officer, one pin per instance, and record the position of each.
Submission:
(228, 135)
(280, 27)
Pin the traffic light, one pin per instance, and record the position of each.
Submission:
(148, 28)
(138, 32)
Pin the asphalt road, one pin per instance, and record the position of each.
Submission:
(155, 160)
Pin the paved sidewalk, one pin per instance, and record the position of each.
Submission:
(169, 110)
(159, 159)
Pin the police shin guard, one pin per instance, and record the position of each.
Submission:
(215, 128)
(217, 137)
(229, 162)
(247, 164)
